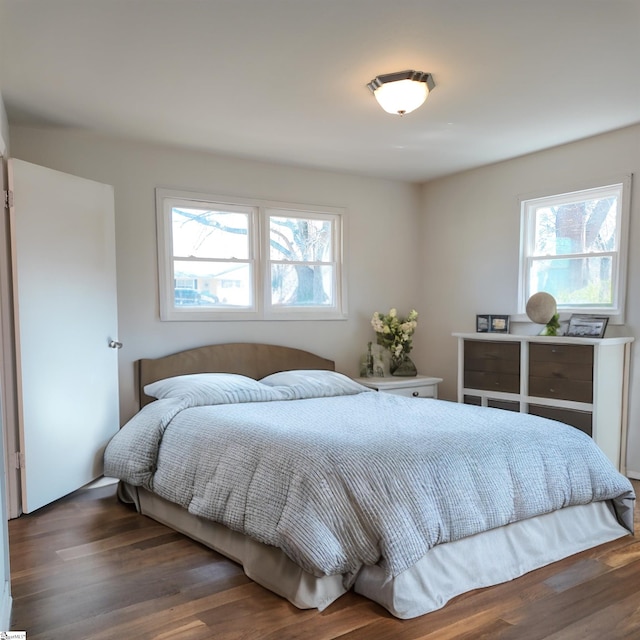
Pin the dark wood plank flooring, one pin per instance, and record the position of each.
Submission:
(90, 568)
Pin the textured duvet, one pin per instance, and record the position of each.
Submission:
(339, 482)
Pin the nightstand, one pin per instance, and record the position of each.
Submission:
(414, 387)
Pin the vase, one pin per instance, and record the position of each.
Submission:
(403, 367)
(366, 364)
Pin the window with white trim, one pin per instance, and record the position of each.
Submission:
(223, 258)
(574, 246)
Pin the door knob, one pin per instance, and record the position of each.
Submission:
(114, 344)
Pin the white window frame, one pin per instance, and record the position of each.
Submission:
(528, 205)
(261, 308)
(272, 311)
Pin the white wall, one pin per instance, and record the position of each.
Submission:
(382, 250)
(470, 238)
(463, 261)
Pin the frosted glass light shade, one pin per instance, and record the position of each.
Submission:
(403, 96)
(402, 92)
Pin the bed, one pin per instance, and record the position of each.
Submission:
(317, 485)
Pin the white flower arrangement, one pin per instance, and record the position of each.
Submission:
(395, 333)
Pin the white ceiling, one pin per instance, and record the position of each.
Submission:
(285, 80)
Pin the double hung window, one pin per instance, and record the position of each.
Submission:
(573, 246)
(226, 258)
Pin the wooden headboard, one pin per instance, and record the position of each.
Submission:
(248, 359)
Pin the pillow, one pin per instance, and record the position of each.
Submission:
(213, 388)
(313, 383)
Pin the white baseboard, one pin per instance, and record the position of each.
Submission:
(635, 475)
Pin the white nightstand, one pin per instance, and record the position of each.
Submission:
(415, 387)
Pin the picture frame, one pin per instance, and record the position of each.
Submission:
(492, 323)
(499, 324)
(483, 322)
(587, 326)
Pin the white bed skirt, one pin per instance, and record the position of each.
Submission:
(444, 572)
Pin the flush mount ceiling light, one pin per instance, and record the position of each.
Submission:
(402, 92)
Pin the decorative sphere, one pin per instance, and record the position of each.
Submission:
(541, 307)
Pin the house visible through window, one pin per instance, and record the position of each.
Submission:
(227, 258)
(574, 247)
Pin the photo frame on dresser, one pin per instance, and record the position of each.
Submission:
(492, 323)
(482, 323)
(587, 326)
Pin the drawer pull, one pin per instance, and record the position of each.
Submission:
(416, 394)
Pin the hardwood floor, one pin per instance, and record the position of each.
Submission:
(90, 568)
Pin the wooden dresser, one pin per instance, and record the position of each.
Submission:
(580, 381)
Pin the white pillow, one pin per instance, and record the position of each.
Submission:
(213, 388)
(313, 383)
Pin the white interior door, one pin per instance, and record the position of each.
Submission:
(63, 252)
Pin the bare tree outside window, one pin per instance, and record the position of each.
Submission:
(301, 269)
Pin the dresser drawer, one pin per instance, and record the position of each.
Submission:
(561, 371)
(501, 357)
(567, 360)
(582, 420)
(426, 391)
(561, 389)
(410, 387)
(505, 405)
(490, 381)
(492, 366)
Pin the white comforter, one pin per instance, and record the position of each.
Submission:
(345, 481)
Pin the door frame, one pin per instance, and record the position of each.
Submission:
(7, 425)
(13, 492)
